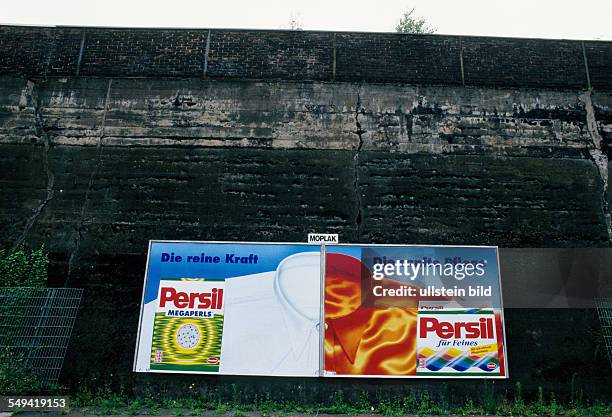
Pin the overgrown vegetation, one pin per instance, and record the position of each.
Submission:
(410, 23)
(15, 377)
(24, 268)
(106, 402)
(18, 268)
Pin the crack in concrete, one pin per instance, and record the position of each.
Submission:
(360, 131)
(78, 235)
(32, 100)
(598, 156)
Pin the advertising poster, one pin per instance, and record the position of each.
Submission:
(256, 309)
(242, 309)
(413, 311)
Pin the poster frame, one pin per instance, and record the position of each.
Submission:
(322, 373)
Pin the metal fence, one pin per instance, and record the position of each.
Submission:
(35, 327)
(604, 310)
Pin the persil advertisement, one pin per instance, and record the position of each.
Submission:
(257, 309)
(231, 308)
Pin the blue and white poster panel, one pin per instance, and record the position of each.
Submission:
(231, 308)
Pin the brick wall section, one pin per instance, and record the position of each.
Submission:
(291, 55)
(39, 51)
(599, 57)
(398, 58)
(64, 52)
(524, 62)
(30, 57)
(128, 52)
(304, 55)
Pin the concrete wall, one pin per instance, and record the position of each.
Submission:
(109, 138)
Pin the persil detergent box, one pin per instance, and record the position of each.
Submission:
(188, 326)
(453, 340)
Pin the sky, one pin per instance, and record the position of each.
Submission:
(561, 19)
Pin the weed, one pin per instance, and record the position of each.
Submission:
(266, 404)
(553, 409)
(16, 376)
(222, 408)
(235, 396)
(153, 410)
(107, 402)
(136, 407)
(424, 403)
(539, 407)
(469, 407)
(489, 405)
(363, 401)
(22, 267)
(340, 406)
(391, 408)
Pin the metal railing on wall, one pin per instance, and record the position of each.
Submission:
(35, 327)
(604, 311)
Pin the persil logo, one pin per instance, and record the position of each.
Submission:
(481, 329)
(212, 300)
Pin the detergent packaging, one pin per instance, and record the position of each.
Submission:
(188, 326)
(454, 340)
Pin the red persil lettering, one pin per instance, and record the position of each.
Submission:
(483, 328)
(207, 300)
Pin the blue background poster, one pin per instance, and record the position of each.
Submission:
(217, 307)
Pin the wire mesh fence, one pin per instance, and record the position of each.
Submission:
(604, 311)
(35, 327)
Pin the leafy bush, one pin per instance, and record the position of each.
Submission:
(24, 268)
(19, 268)
(16, 378)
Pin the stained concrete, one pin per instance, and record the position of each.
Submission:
(94, 167)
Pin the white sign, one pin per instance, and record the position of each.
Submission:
(323, 238)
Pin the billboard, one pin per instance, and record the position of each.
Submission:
(256, 309)
(407, 311)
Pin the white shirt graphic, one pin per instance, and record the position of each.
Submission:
(271, 320)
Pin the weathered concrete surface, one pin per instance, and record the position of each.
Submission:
(376, 163)
(434, 119)
(95, 167)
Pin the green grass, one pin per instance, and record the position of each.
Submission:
(105, 402)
